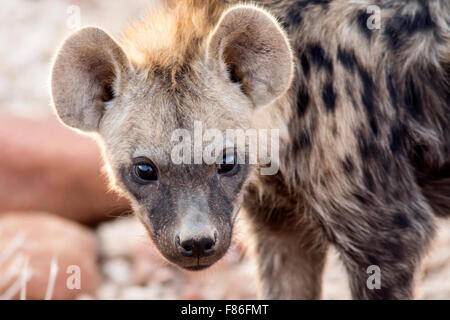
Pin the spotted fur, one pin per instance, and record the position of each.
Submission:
(368, 150)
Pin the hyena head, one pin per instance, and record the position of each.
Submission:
(175, 70)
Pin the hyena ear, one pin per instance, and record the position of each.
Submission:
(89, 69)
(251, 47)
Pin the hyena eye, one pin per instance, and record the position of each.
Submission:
(228, 166)
(144, 171)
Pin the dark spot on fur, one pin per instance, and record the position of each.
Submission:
(401, 26)
(391, 90)
(311, 3)
(293, 18)
(323, 3)
(397, 136)
(373, 125)
(302, 101)
(418, 158)
(401, 221)
(384, 293)
(393, 250)
(350, 94)
(369, 180)
(367, 147)
(397, 195)
(372, 260)
(347, 58)
(368, 98)
(334, 130)
(412, 99)
(329, 97)
(318, 57)
(385, 163)
(363, 147)
(304, 139)
(360, 197)
(361, 20)
(348, 165)
(305, 65)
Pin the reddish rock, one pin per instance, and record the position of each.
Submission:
(45, 166)
(148, 265)
(126, 239)
(41, 238)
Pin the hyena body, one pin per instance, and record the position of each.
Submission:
(368, 152)
(363, 115)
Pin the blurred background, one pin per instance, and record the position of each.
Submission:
(63, 235)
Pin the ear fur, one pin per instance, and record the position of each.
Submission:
(89, 69)
(251, 47)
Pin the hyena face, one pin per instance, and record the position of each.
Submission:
(137, 101)
(187, 207)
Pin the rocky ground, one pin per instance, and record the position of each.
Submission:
(117, 261)
(115, 258)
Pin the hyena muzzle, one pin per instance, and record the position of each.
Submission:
(363, 113)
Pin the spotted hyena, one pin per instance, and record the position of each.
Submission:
(363, 115)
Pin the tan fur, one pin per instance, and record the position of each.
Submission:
(172, 36)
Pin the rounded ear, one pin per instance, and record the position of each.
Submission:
(251, 47)
(89, 69)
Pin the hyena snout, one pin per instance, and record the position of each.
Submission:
(197, 245)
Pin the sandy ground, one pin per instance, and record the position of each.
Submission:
(31, 32)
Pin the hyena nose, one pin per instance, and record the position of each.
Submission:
(197, 247)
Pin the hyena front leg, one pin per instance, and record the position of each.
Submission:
(289, 269)
(291, 256)
(388, 233)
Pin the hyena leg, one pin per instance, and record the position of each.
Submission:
(290, 262)
(288, 268)
(391, 236)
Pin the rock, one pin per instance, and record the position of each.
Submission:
(124, 241)
(149, 266)
(118, 271)
(108, 291)
(117, 237)
(40, 240)
(45, 166)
